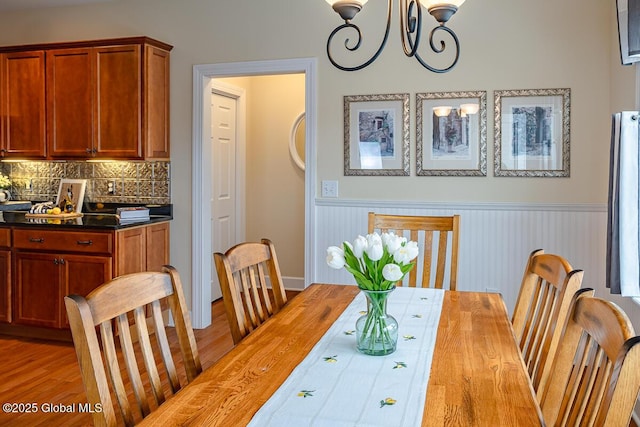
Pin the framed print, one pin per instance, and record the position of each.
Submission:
(73, 189)
(376, 135)
(451, 134)
(532, 132)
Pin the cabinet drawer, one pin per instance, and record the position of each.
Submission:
(5, 237)
(64, 241)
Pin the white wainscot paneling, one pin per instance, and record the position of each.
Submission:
(495, 239)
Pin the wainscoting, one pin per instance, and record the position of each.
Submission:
(495, 238)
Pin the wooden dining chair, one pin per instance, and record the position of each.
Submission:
(548, 285)
(595, 379)
(125, 302)
(242, 273)
(423, 229)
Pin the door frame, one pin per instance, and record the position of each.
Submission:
(202, 256)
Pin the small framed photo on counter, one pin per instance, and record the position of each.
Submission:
(73, 190)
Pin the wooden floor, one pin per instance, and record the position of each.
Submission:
(44, 375)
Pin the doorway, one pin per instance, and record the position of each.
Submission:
(202, 250)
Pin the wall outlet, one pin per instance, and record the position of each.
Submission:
(111, 187)
(329, 188)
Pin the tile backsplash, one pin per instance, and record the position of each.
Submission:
(134, 182)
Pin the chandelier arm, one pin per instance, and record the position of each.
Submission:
(409, 25)
(440, 49)
(355, 47)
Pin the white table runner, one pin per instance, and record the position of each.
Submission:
(335, 385)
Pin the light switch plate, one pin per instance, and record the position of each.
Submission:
(329, 188)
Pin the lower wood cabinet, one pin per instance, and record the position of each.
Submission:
(49, 264)
(42, 280)
(5, 286)
(5, 275)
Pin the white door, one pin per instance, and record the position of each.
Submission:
(223, 177)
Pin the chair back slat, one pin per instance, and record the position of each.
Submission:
(548, 285)
(250, 298)
(163, 344)
(588, 385)
(132, 304)
(423, 230)
(147, 354)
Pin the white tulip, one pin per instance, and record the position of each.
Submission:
(412, 249)
(406, 253)
(335, 257)
(359, 246)
(374, 239)
(392, 272)
(392, 241)
(375, 251)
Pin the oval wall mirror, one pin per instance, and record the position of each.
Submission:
(297, 141)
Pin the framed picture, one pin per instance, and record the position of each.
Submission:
(532, 132)
(376, 135)
(451, 134)
(74, 190)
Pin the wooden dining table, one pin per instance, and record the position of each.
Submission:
(477, 375)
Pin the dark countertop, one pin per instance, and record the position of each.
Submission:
(101, 219)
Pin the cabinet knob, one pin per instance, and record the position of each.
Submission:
(55, 261)
(88, 150)
(62, 261)
(36, 239)
(84, 242)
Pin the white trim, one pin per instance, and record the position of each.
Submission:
(498, 206)
(293, 283)
(201, 246)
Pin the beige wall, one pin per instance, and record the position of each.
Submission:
(505, 45)
(274, 184)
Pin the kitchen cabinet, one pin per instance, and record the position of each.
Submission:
(142, 248)
(70, 102)
(22, 105)
(117, 107)
(50, 264)
(43, 279)
(104, 99)
(5, 276)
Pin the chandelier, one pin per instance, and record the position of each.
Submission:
(410, 29)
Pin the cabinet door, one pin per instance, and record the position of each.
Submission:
(23, 105)
(83, 274)
(156, 103)
(118, 106)
(70, 102)
(38, 290)
(157, 246)
(130, 250)
(5, 286)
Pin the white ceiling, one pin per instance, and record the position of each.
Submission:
(7, 5)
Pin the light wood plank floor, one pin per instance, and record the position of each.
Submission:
(46, 373)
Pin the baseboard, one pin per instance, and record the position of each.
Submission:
(293, 283)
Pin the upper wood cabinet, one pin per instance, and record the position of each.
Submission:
(106, 99)
(70, 102)
(118, 103)
(22, 109)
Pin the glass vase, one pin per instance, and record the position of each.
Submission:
(377, 331)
